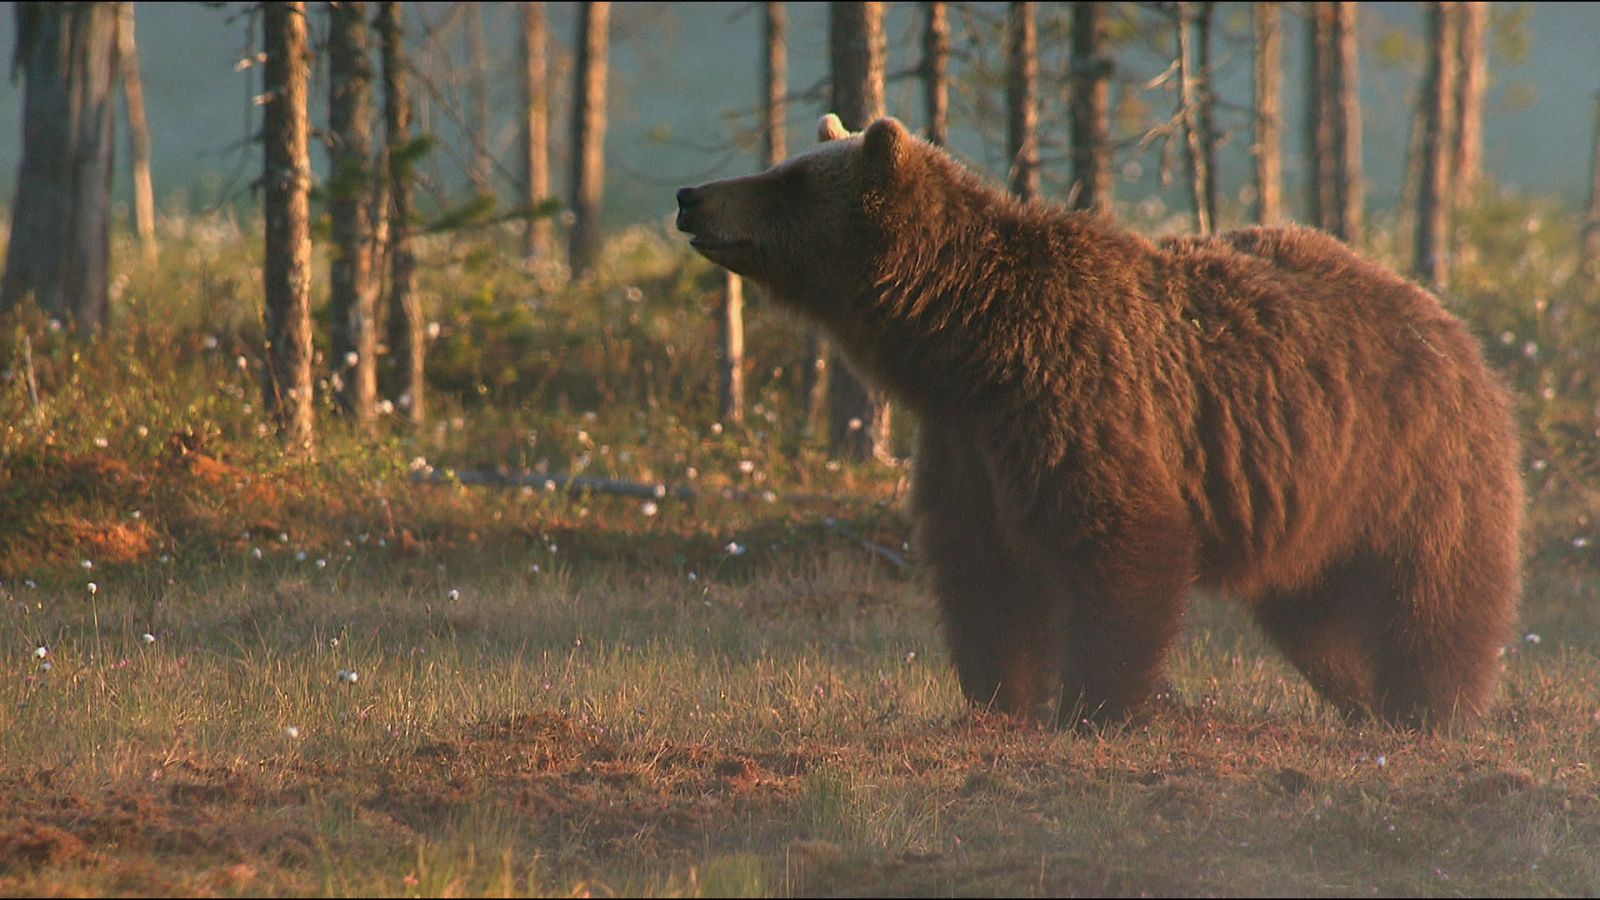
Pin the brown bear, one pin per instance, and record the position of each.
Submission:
(1107, 422)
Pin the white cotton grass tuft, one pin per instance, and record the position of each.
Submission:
(148, 638)
(453, 595)
(349, 676)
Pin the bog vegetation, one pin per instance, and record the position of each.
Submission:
(228, 671)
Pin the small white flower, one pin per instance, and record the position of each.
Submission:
(747, 466)
(241, 362)
(734, 548)
(649, 508)
(41, 652)
(148, 638)
(453, 596)
(1533, 637)
(209, 342)
(1580, 542)
(45, 666)
(433, 330)
(322, 564)
(255, 552)
(660, 491)
(351, 358)
(347, 676)
(693, 577)
(855, 423)
(534, 568)
(1382, 761)
(101, 442)
(291, 732)
(769, 496)
(166, 558)
(911, 656)
(142, 431)
(716, 427)
(299, 556)
(283, 537)
(87, 564)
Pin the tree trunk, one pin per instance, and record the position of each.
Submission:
(60, 252)
(1195, 144)
(1471, 83)
(936, 71)
(535, 128)
(144, 202)
(732, 321)
(859, 420)
(1319, 114)
(1268, 151)
(774, 84)
(1431, 258)
(1091, 109)
(352, 289)
(1344, 101)
(589, 134)
(478, 96)
(287, 207)
(1589, 268)
(1022, 107)
(407, 344)
(1205, 98)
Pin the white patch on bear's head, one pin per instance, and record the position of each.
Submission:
(831, 128)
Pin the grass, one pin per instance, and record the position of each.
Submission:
(577, 695)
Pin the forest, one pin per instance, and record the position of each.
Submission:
(414, 526)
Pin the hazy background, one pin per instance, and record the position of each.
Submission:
(685, 81)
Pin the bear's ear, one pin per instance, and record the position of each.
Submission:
(831, 129)
(886, 145)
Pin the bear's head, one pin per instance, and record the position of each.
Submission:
(806, 228)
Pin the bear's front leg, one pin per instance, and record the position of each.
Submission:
(1000, 620)
(1130, 587)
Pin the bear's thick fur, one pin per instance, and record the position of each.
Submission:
(1107, 422)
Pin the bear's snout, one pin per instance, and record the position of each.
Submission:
(688, 202)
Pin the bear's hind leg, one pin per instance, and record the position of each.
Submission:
(1329, 632)
(1443, 641)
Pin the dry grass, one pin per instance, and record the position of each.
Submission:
(598, 727)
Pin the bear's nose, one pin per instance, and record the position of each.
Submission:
(687, 199)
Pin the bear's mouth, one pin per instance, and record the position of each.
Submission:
(704, 243)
